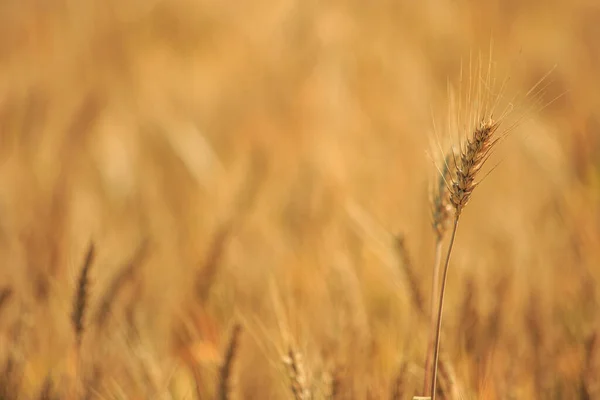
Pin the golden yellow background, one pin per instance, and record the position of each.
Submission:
(256, 160)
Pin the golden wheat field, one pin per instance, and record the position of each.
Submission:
(233, 200)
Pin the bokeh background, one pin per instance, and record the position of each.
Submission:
(258, 163)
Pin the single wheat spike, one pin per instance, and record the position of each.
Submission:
(477, 106)
(467, 164)
(80, 305)
(81, 297)
(297, 375)
(225, 375)
(472, 157)
(440, 200)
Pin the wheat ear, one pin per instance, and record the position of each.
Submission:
(467, 164)
(473, 156)
(297, 374)
(81, 297)
(225, 375)
(80, 305)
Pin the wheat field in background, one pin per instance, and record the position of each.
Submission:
(217, 199)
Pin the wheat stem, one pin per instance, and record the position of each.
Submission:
(434, 293)
(440, 310)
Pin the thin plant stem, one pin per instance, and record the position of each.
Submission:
(438, 330)
(434, 293)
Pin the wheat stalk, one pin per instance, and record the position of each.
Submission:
(297, 374)
(226, 369)
(467, 165)
(440, 216)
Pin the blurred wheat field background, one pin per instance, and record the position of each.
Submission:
(254, 180)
